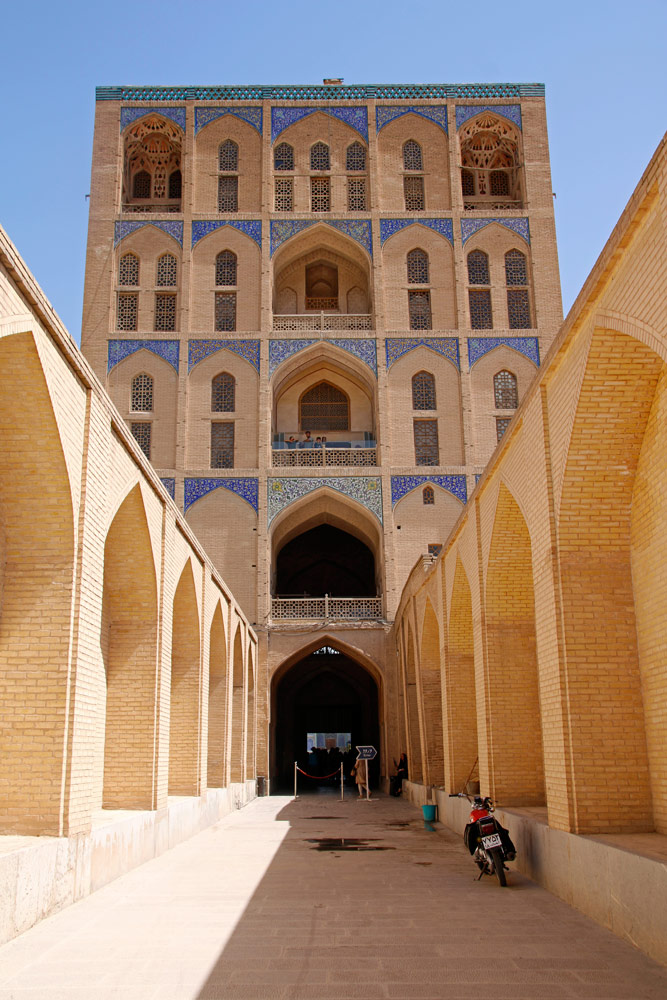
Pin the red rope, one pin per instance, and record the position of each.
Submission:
(319, 777)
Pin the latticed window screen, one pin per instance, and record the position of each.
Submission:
(225, 268)
(128, 269)
(127, 311)
(142, 435)
(505, 391)
(499, 183)
(228, 194)
(284, 200)
(423, 391)
(222, 446)
(356, 194)
(319, 194)
(426, 442)
(223, 393)
(141, 397)
(228, 155)
(419, 308)
(518, 309)
(166, 270)
(283, 157)
(478, 268)
(412, 156)
(413, 189)
(165, 312)
(481, 317)
(516, 272)
(319, 157)
(324, 408)
(467, 183)
(502, 423)
(355, 157)
(175, 184)
(225, 311)
(428, 496)
(141, 185)
(417, 267)
(434, 549)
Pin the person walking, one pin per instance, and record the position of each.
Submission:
(360, 771)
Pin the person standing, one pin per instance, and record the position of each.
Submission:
(360, 770)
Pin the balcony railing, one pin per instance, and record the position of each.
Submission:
(489, 203)
(162, 205)
(326, 608)
(356, 455)
(322, 321)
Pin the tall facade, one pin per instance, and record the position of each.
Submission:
(317, 309)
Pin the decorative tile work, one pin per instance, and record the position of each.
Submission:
(123, 229)
(386, 113)
(478, 476)
(282, 118)
(129, 115)
(448, 347)
(121, 349)
(246, 487)
(251, 227)
(471, 226)
(479, 346)
(204, 116)
(170, 487)
(402, 485)
(358, 229)
(365, 490)
(281, 350)
(365, 350)
(200, 349)
(325, 92)
(510, 111)
(390, 226)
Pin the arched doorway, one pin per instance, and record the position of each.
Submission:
(325, 560)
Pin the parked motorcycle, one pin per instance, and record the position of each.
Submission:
(488, 842)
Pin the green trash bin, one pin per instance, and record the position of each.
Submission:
(429, 813)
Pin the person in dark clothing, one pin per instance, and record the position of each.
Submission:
(396, 781)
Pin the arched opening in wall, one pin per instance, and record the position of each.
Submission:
(251, 738)
(184, 729)
(238, 710)
(513, 752)
(217, 703)
(431, 692)
(152, 165)
(322, 287)
(324, 704)
(459, 701)
(415, 763)
(128, 641)
(491, 163)
(325, 560)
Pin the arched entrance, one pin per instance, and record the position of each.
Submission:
(325, 560)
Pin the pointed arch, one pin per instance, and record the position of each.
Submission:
(251, 736)
(415, 763)
(217, 702)
(238, 709)
(431, 693)
(460, 703)
(185, 716)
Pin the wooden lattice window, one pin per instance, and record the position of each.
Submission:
(413, 190)
(355, 157)
(141, 184)
(222, 445)
(419, 309)
(516, 270)
(505, 391)
(167, 270)
(283, 157)
(518, 309)
(412, 156)
(324, 408)
(228, 156)
(502, 423)
(423, 391)
(478, 268)
(175, 184)
(127, 312)
(141, 432)
(225, 268)
(417, 261)
(428, 496)
(284, 200)
(320, 200)
(228, 194)
(128, 269)
(481, 317)
(467, 183)
(356, 194)
(426, 442)
(499, 183)
(225, 311)
(141, 395)
(223, 393)
(319, 157)
(165, 312)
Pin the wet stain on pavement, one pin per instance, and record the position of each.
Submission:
(347, 844)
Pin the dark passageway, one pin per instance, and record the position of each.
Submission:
(325, 560)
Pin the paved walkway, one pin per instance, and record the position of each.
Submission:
(252, 908)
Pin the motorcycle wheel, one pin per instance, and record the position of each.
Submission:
(497, 859)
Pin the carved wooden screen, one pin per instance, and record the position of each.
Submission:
(324, 408)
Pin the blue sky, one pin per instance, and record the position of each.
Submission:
(603, 63)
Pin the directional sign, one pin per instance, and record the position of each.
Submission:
(366, 753)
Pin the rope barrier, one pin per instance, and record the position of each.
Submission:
(319, 777)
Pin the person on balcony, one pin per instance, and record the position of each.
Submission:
(307, 441)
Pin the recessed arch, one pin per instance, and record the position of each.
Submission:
(152, 148)
(459, 695)
(415, 761)
(238, 708)
(217, 701)
(185, 716)
(431, 693)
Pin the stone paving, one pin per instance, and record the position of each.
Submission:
(253, 909)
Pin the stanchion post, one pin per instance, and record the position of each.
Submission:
(342, 794)
(295, 795)
(368, 789)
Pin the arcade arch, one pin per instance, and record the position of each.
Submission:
(184, 728)
(238, 710)
(217, 703)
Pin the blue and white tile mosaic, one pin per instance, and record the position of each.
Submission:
(121, 349)
(245, 487)
(365, 350)
(479, 346)
(204, 116)
(200, 349)
(387, 113)
(282, 118)
(251, 227)
(357, 229)
(478, 476)
(448, 347)
(510, 111)
(402, 485)
(390, 226)
(123, 229)
(170, 487)
(366, 490)
(471, 226)
(129, 115)
(281, 350)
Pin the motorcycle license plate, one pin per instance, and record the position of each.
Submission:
(490, 842)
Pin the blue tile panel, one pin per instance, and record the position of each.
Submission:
(479, 346)
(281, 350)
(471, 226)
(366, 490)
(325, 92)
(448, 347)
(510, 111)
(170, 487)
(251, 227)
(123, 229)
(386, 113)
(390, 226)
(245, 487)
(200, 349)
(204, 116)
(282, 118)
(121, 349)
(401, 485)
(357, 229)
(129, 115)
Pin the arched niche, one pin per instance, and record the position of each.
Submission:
(206, 156)
(248, 280)
(459, 691)
(165, 392)
(448, 412)
(152, 152)
(217, 701)
(435, 161)
(238, 720)
(431, 692)
(185, 721)
(323, 271)
(491, 162)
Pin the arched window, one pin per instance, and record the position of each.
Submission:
(516, 272)
(141, 396)
(355, 157)
(166, 270)
(228, 156)
(223, 393)
(225, 268)
(128, 269)
(518, 300)
(423, 391)
(319, 157)
(283, 157)
(141, 184)
(505, 391)
(418, 267)
(175, 184)
(490, 160)
(324, 408)
(478, 268)
(228, 182)
(428, 496)
(152, 163)
(412, 156)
